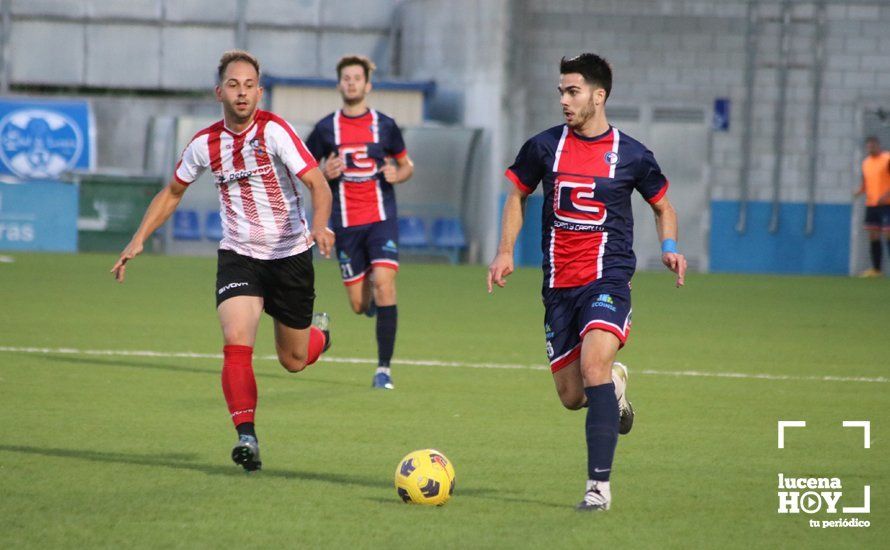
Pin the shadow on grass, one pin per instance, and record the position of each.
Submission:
(93, 361)
(185, 461)
(182, 461)
(478, 492)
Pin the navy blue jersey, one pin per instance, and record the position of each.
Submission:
(587, 218)
(361, 194)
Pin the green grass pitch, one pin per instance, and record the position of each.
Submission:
(132, 451)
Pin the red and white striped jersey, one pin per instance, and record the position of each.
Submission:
(256, 173)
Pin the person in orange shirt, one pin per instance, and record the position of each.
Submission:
(876, 188)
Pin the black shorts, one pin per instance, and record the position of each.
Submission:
(877, 217)
(287, 286)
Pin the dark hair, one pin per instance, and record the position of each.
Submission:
(872, 138)
(360, 60)
(595, 70)
(236, 55)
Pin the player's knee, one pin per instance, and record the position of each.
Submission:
(236, 336)
(358, 307)
(572, 401)
(385, 291)
(292, 362)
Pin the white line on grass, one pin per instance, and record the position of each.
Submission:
(434, 363)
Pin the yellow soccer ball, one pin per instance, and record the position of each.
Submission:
(425, 477)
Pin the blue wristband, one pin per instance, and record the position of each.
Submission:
(669, 246)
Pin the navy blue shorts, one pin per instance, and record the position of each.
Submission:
(570, 313)
(362, 247)
(877, 217)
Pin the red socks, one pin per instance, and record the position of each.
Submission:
(239, 385)
(316, 345)
(238, 382)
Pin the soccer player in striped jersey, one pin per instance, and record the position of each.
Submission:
(588, 169)
(364, 156)
(265, 257)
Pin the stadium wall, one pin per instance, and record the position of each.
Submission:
(692, 52)
(136, 59)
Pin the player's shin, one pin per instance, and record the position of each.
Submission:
(239, 386)
(387, 321)
(601, 429)
(317, 341)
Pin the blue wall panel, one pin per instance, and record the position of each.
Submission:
(790, 250)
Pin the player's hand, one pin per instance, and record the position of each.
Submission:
(390, 173)
(676, 263)
(333, 167)
(324, 238)
(498, 269)
(120, 267)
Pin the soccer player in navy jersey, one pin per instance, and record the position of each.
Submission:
(588, 169)
(265, 257)
(363, 157)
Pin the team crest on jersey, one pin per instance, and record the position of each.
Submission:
(257, 145)
(612, 158)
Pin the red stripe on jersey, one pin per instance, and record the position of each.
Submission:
(256, 228)
(213, 147)
(400, 155)
(298, 143)
(270, 182)
(586, 157)
(576, 257)
(660, 194)
(511, 175)
(355, 129)
(363, 200)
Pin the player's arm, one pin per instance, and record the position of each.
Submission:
(400, 172)
(511, 223)
(160, 209)
(861, 189)
(318, 187)
(666, 225)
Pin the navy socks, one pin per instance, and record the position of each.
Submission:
(387, 319)
(601, 429)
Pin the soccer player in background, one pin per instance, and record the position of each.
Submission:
(589, 169)
(876, 188)
(358, 145)
(265, 257)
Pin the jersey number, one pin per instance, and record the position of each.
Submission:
(574, 202)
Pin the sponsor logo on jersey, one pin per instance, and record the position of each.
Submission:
(223, 178)
(38, 143)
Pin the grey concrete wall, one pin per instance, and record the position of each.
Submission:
(691, 52)
(169, 49)
(462, 45)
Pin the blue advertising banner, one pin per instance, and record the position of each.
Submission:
(38, 215)
(41, 139)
